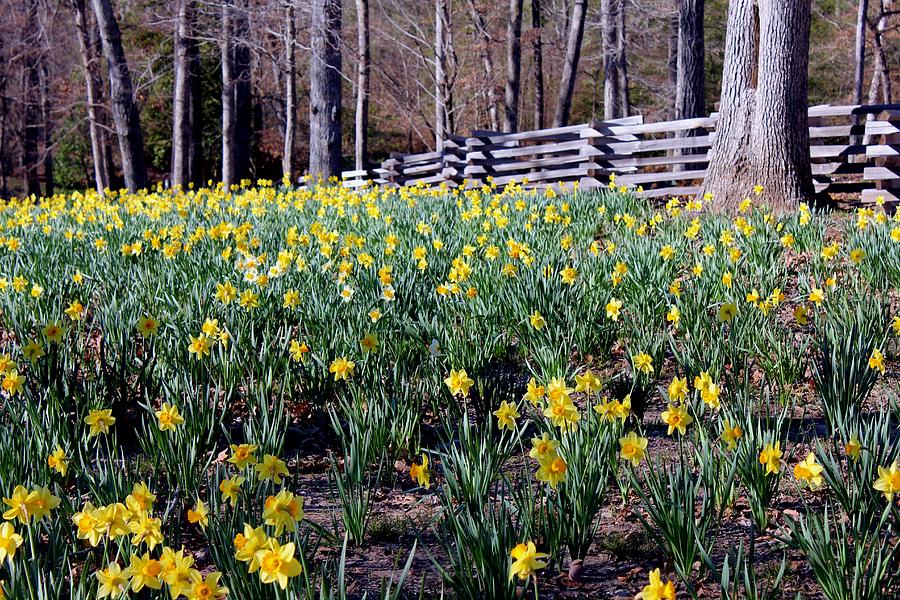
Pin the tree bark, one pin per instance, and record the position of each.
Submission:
(363, 68)
(538, 56)
(570, 66)
(513, 66)
(440, 72)
(608, 29)
(622, 62)
(290, 95)
(30, 91)
(672, 57)
(46, 130)
(229, 141)
(487, 64)
(124, 109)
(243, 91)
(195, 156)
(690, 88)
(92, 86)
(859, 63)
(763, 132)
(181, 97)
(325, 90)
(881, 76)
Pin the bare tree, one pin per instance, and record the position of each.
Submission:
(690, 87)
(243, 89)
(290, 93)
(609, 29)
(124, 109)
(92, 85)
(363, 68)
(538, 57)
(513, 66)
(622, 61)
(229, 140)
(441, 11)
(881, 76)
(325, 90)
(763, 133)
(570, 66)
(487, 64)
(181, 96)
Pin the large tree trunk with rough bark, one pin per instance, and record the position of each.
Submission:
(30, 90)
(290, 95)
(570, 66)
(609, 29)
(181, 96)
(363, 68)
(763, 134)
(513, 66)
(487, 64)
(325, 90)
(538, 57)
(124, 109)
(859, 62)
(92, 87)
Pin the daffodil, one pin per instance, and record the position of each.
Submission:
(888, 481)
(169, 417)
(100, 420)
(114, 581)
(272, 468)
(421, 473)
(507, 415)
(277, 563)
(770, 458)
(283, 511)
(459, 383)
(677, 418)
(632, 448)
(526, 561)
(656, 589)
(809, 471)
(9, 542)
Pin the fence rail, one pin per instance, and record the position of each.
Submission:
(853, 149)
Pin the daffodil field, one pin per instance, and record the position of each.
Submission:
(508, 393)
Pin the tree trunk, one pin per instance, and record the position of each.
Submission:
(859, 63)
(30, 91)
(487, 64)
(440, 73)
(195, 155)
(690, 88)
(325, 90)
(622, 62)
(881, 76)
(290, 96)
(538, 54)
(124, 109)
(229, 141)
(513, 66)
(672, 57)
(181, 97)
(570, 66)
(101, 181)
(608, 30)
(763, 132)
(46, 130)
(363, 68)
(243, 91)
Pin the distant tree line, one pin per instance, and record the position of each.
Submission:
(129, 92)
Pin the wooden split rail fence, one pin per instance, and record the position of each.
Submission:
(854, 150)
